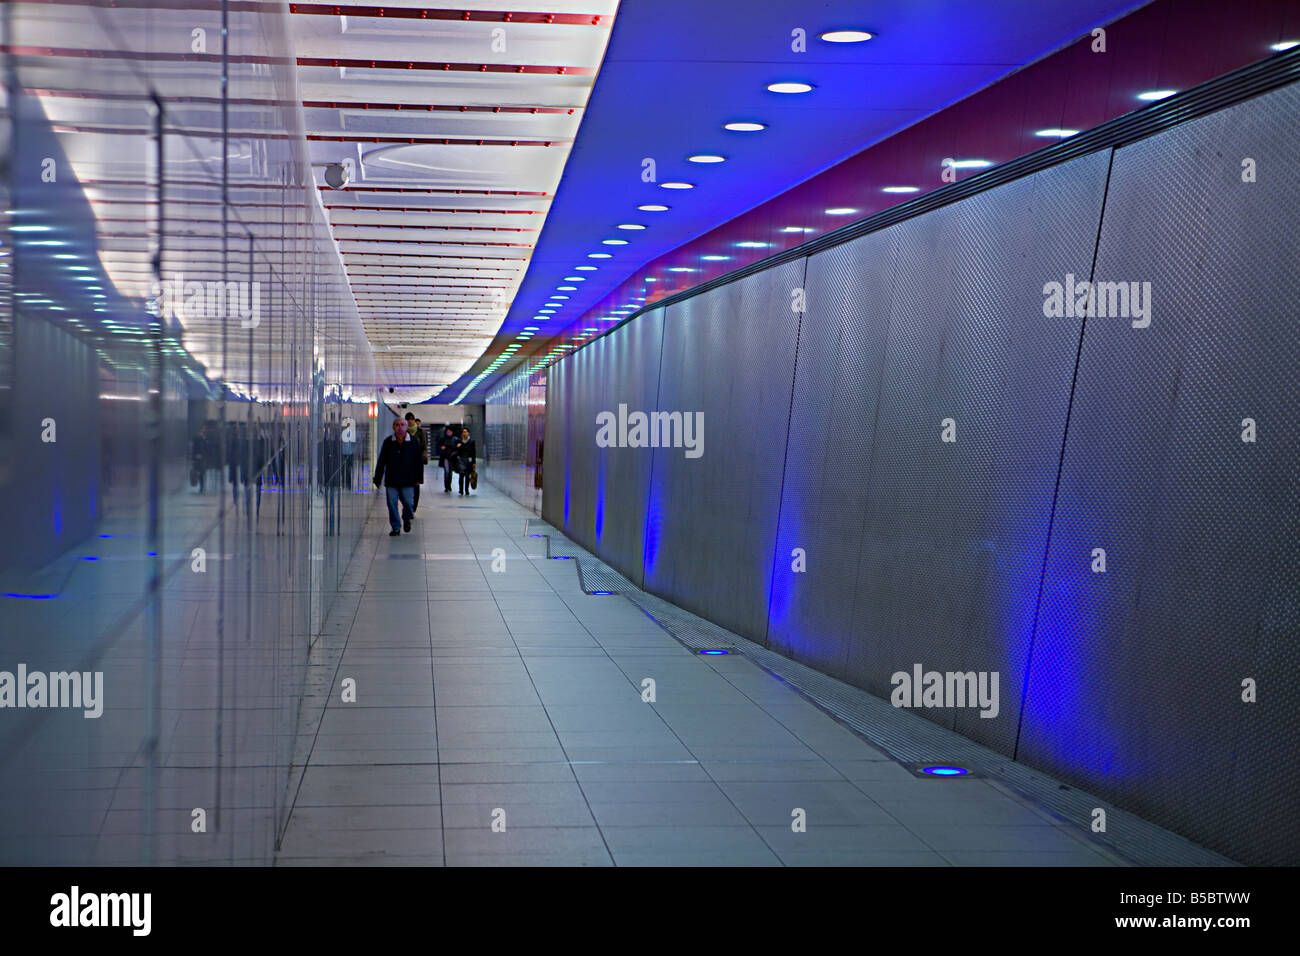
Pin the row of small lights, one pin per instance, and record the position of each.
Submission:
(556, 301)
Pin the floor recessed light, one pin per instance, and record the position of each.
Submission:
(1151, 95)
(789, 87)
(745, 127)
(676, 185)
(706, 158)
(946, 771)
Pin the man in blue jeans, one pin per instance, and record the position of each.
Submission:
(399, 467)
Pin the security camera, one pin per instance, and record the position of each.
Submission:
(336, 175)
(390, 388)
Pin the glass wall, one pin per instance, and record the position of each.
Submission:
(185, 423)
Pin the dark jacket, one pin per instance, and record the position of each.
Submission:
(399, 466)
(466, 453)
(447, 446)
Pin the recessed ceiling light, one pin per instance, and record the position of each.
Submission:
(846, 36)
(1156, 94)
(566, 288)
(651, 279)
(676, 185)
(901, 189)
(753, 245)
(715, 258)
(631, 225)
(586, 268)
(706, 158)
(840, 211)
(745, 127)
(969, 163)
(788, 87)
(575, 278)
(599, 255)
(798, 229)
(613, 242)
(1058, 133)
(545, 311)
(652, 207)
(1284, 45)
(559, 297)
(680, 269)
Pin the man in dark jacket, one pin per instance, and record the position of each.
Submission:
(465, 455)
(399, 468)
(447, 445)
(416, 432)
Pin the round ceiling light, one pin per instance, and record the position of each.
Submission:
(745, 127)
(846, 36)
(789, 87)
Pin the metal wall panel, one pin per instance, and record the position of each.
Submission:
(950, 535)
(712, 520)
(559, 428)
(623, 488)
(1136, 683)
(828, 459)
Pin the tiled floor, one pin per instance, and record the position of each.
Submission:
(499, 720)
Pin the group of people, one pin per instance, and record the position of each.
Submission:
(400, 466)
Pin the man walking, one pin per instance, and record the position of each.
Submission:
(447, 445)
(417, 433)
(399, 469)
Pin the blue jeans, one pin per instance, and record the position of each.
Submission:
(407, 496)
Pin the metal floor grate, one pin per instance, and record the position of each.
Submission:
(904, 736)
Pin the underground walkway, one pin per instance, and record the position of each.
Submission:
(499, 720)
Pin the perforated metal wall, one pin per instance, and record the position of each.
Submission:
(964, 555)
(623, 474)
(1136, 684)
(969, 421)
(728, 354)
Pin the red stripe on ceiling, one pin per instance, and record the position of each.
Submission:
(433, 108)
(413, 140)
(468, 16)
(441, 242)
(423, 190)
(391, 225)
(430, 209)
(359, 64)
(424, 255)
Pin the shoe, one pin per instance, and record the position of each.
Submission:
(406, 526)
(394, 534)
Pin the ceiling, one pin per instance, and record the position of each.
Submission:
(455, 126)
(676, 71)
